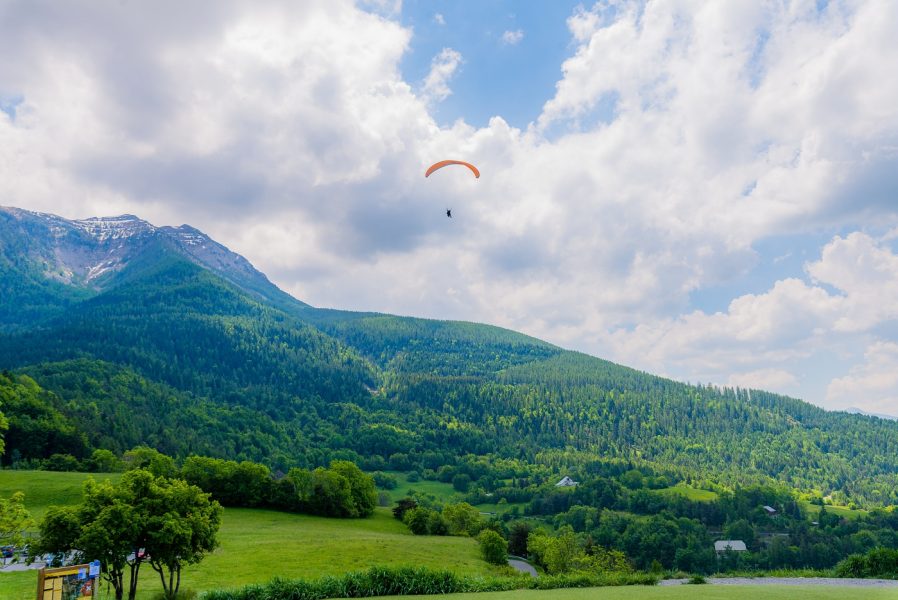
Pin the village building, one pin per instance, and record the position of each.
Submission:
(567, 482)
(722, 546)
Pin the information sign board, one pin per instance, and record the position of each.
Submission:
(78, 582)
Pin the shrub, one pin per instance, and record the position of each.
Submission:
(493, 547)
(62, 462)
(417, 520)
(405, 581)
(881, 562)
(403, 506)
(385, 481)
(461, 482)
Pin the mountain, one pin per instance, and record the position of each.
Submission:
(136, 333)
(857, 411)
(48, 263)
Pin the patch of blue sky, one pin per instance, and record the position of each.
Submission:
(755, 66)
(9, 104)
(815, 371)
(778, 257)
(507, 78)
(601, 113)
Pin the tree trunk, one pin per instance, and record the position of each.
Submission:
(132, 588)
(116, 578)
(171, 585)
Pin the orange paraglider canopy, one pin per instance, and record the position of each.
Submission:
(444, 163)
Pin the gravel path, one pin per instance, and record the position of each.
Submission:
(828, 581)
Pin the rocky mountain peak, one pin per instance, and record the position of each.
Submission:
(89, 252)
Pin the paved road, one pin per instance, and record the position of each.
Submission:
(522, 566)
(827, 581)
(21, 566)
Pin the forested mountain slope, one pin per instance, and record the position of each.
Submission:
(181, 344)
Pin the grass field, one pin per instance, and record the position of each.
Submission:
(500, 509)
(691, 493)
(256, 545)
(843, 511)
(684, 592)
(45, 488)
(443, 491)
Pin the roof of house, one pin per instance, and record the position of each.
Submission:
(769, 509)
(734, 545)
(566, 482)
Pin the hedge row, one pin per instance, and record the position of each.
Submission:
(382, 581)
(880, 562)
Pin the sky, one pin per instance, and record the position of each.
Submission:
(707, 191)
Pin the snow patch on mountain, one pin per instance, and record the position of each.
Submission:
(87, 252)
(121, 227)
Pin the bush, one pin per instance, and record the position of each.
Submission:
(418, 520)
(493, 547)
(881, 562)
(461, 482)
(385, 481)
(407, 581)
(403, 506)
(62, 462)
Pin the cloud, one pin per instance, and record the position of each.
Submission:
(764, 379)
(439, 19)
(871, 386)
(679, 136)
(512, 38)
(782, 324)
(866, 271)
(442, 69)
(850, 299)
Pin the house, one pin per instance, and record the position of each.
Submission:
(567, 482)
(771, 512)
(722, 546)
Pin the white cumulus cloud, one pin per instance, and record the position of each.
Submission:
(680, 136)
(871, 385)
(442, 69)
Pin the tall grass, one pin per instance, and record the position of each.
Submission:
(406, 581)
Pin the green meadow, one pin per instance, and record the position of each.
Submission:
(47, 488)
(691, 493)
(442, 491)
(843, 511)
